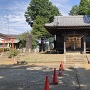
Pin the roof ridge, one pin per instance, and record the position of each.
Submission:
(76, 16)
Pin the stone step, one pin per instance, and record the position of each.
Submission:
(74, 63)
(76, 59)
(72, 60)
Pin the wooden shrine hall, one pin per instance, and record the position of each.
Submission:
(71, 33)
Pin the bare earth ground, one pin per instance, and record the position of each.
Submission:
(32, 76)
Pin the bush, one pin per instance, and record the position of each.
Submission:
(5, 49)
(13, 53)
(0, 50)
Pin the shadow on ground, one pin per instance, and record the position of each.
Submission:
(32, 77)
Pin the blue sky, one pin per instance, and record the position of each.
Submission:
(12, 20)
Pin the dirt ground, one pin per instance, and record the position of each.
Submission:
(32, 76)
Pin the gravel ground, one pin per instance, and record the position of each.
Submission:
(33, 78)
(84, 77)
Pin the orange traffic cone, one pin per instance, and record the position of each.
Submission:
(55, 79)
(46, 84)
(62, 66)
(60, 73)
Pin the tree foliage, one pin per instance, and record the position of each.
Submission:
(74, 10)
(42, 8)
(22, 37)
(38, 28)
(82, 9)
(41, 12)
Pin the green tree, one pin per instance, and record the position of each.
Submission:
(83, 7)
(22, 37)
(38, 28)
(88, 11)
(41, 12)
(42, 8)
(74, 10)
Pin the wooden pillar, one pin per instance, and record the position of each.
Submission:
(74, 41)
(84, 41)
(64, 44)
(3, 45)
(12, 44)
(55, 37)
(55, 41)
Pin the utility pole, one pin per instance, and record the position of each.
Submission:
(8, 24)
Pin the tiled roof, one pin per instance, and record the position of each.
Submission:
(12, 36)
(8, 35)
(82, 20)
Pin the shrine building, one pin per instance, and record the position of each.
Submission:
(71, 33)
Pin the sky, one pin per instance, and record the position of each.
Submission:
(12, 20)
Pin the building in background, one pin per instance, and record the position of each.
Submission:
(71, 33)
(7, 40)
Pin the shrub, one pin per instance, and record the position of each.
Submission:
(13, 53)
(0, 50)
(5, 49)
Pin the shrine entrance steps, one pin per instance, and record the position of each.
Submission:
(75, 59)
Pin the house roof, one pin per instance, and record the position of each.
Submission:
(2, 35)
(8, 35)
(81, 20)
(11, 35)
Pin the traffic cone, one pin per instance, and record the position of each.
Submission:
(60, 73)
(62, 66)
(46, 84)
(55, 79)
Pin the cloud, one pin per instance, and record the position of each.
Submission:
(7, 31)
(14, 29)
(12, 16)
(65, 6)
(14, 4)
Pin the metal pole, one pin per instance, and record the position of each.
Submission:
(8, 25)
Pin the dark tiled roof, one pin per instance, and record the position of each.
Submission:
(82, 20)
